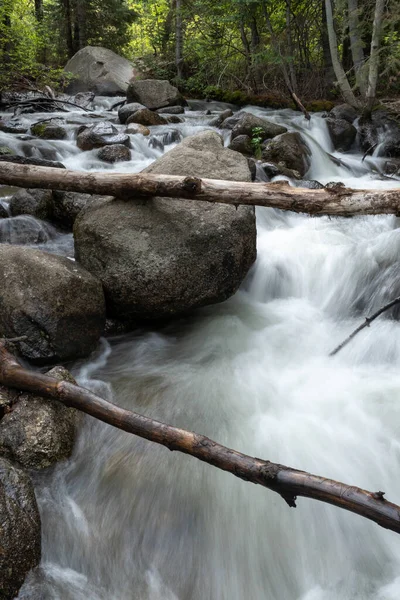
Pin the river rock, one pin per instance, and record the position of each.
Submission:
(173, 119)
(344, 111)
(39, 432)
(114, 153)
(50, 130)
(38, 162)
(3, 212)
(127, 110)
(24, 229)
(83, 99)
(20, 536)
(134, 128)
(53, 301)
(343, 133)
(99, 135)
(35, 202)
(165, 257)
(171, 110)
(12, 126)
(146, 117)
(154, 93)
(242, 143)
(67, 206)
(289, 149)
(219, 119)
(6, 151)
(248, 122)
(99, 70)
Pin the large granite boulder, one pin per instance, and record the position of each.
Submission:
(38, 432)
(165, 257)
(291, 150)
(53, 301)
(20, 537)
(154, 93)
(248, 124)
(99, 70)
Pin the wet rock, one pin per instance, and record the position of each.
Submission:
(171, 110)
(310, 184)
(273, 170)
(50, 130)
(248, 122)
(53, 301)
(24, 229)
(242, 143)
(99, 70)
(134, 128)
(38, 432)
(35, 202)
(230, 122)
(391, 143)
(342, 133)
(154, 93)
(219, 119)
(20, 537)
(289, 149)
(3, 212)
(174, 119)
(127, 110)
(38, 162)
(167, 257)
(253, 168)
(83, 99)
(12, 126)
(344, 111)
(67, 206)
(99, 135)
(114, 153)
(146, 117)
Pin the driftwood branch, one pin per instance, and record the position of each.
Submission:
(367, 323)
(50, 104)
(335, 201)
(289, 483)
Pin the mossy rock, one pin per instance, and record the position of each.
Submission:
(319, 105)
(6, 151)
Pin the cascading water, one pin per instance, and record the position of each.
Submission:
(125, 519)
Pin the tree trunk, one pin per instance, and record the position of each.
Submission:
(39, 10)
(342, 80)
(289, 483)
(292, 72)
(179, 40)
(68, 27)
(335, 201)
(329, 74)
(374, 56)
(356, 45)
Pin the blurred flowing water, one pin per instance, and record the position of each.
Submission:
(125, 519)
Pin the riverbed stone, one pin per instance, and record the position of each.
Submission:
(50, 130)
(242, 143)
(165, 257)
(343, 133)
(35, 202)
(39, 432)
(12, 126)
(344, 111)
(247, 123)
(53, 301)
(146, 117)
(154, 93)
(127, 110)
(67, 206)
(99, 135)
(171, 110)
(134, 128)
(291, 150)
(114, 153)
(37, 162)
(20, 536)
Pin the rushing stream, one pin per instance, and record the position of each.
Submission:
(125, 519)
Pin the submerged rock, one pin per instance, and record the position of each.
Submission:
(166, 257)
(12, 126)
(53, 301)
(99, 135)
(38, 162)
(154, 93)
(39, 432)
(20, 537)
(291, 150)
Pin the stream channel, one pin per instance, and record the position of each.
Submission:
(125, 519)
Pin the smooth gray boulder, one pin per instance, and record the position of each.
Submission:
(166, 257)
(154, 93)
(99, 135)
(265, 129)
(53, 301)
(99, 70)
(20, 536)
(127, 110)
(114, 153)
(38, 432)
(35, 202)
(146, 117)
(288, 150)
(242, 143)
(344, 111)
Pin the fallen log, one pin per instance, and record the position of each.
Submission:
(334, 200)
(286, 481)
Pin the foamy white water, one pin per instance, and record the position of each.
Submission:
(125, 519)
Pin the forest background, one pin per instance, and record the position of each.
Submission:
(226, 50)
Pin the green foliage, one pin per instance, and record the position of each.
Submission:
(257, 137)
